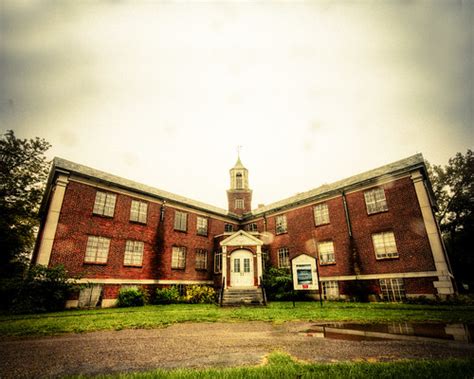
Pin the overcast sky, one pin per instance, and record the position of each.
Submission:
(163, 93)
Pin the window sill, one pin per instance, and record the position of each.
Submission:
(178, 268)
(133, 266)
(327, 263)
(202, 235)
(376, 213)
(386, 258)
(95, 263)
(102, 216)
(318, 225)
(137, 222)
(180, 231)
(280, 233)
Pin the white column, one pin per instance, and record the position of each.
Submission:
(224, 265)
(444, 284)
(259, 263)
(52, 218)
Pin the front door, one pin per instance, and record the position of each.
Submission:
(241, 269)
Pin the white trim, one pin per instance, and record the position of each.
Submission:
(241, 238)
(141, 281)
(72, 303)
(422, 274)
(108, 303)
(52, 219)
(445, 286)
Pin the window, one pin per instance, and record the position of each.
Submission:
(138, 211)
(384, 245)
(321, 214)
(392, 289)
(201, 259)
(97, 250)
(265, 259)
(239, 203)
(281, 224)
(283, 257)
(238, 181)
(375, 200)
(330, 289)
(326, 252)
(133, 253)
(104, 204)
(180, 221)
(228, 228)
(252, 227)
(218, 262)
(246, 264)
(178, 258)
(201, 226)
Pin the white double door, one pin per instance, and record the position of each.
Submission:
(241, 269)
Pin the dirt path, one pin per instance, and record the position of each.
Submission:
(197, 345)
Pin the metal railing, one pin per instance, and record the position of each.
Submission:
(221, 292)
(264, 294)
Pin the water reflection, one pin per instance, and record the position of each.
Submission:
(462, 333)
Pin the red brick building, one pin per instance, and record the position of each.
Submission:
(375, 231)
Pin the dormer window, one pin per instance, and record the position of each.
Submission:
(239, 184)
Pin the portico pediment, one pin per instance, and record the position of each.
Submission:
(241, 238)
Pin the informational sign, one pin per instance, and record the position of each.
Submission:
(305, 276)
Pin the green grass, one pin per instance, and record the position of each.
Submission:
(155, 316)
(283, 366)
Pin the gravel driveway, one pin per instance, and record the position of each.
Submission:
(193, 345)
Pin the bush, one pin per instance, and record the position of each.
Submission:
(41, 289)
(132, 297)
(200, 294)
(278, 284)
(168, 295)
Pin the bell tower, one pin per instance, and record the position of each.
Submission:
(239, 195)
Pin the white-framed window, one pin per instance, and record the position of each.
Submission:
(384, 245)
(138, 211)
(201, 259)
(326, 252)
(239, 203)
(228, 228)
(392, 289)
(180, 221)
(97, 249)
(375, 200)
(330, 289)
(178, 257)
(133, 253)
(218, 262)
(201, 226)
(252, 227)
(321, 214)
(281, 226)
(104, 204)
(284, 257)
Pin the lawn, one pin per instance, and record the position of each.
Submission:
(281, 365)
(155, 316)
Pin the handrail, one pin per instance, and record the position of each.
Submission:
(264, 295)
(221, 294)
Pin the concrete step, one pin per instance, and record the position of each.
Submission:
(239, 296)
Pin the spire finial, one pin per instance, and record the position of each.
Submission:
(239, 147)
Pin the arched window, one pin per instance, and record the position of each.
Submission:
(238, 181)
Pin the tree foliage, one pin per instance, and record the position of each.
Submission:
(453, 186)
(23, 173)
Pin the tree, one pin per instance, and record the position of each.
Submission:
(23, 173)
(454, 190)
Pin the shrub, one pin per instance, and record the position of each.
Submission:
(278, 284)
(41, 289)
(132, 297)
(200, 294)
(168, 295)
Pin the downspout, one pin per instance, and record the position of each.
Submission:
(352, 246)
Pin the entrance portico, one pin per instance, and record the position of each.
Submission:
(241, 260)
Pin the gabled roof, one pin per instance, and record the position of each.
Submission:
(241, 238)
(403, 165)
(63, 164)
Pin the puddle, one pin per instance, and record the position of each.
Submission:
(436, 332)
